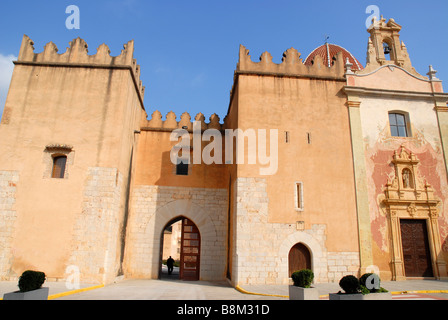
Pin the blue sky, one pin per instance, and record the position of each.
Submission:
(188, 50)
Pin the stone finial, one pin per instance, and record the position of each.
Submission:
(348, 67)
(432, 74)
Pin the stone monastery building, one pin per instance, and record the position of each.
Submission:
(86, 180)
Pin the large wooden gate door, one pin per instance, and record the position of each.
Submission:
(299, 258)
(416, 253)
(190, 251)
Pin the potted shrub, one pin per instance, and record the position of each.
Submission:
(30, 285)
(370, 285)
(366, 288)
(302, 290)
(352, 289)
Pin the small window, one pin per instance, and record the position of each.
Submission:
(182, 168)
(398, 127)
(59, 164)
(299, 196)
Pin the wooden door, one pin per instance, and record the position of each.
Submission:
(190, 251)
(299, 258)
(416, 253)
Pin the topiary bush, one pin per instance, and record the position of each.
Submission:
(31, 280)
(350, 284)
(371, 283)
(303, 278)
(373, 279)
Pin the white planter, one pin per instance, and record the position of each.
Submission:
(41, 294)
(378, 296)
(360, 296)
(298, 293)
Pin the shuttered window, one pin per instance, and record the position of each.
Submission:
(59, 164)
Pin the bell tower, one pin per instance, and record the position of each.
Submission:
(385, 47)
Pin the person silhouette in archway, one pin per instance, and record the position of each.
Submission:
(170, 264)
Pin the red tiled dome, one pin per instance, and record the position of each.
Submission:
(328, 54)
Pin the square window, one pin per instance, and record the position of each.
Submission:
(182, 168)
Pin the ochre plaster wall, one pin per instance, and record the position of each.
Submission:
(302, 107)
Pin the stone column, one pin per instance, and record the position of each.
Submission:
(442, 117)
(439, 265)
(362, 201)
(398, 272)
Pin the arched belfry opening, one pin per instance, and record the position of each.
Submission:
(299, 258)
(180, 240)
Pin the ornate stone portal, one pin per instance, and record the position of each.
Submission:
(408, 196)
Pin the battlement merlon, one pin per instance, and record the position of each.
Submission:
(292, 65)
(186, 122)
(77, 55)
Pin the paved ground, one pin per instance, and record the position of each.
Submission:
(392, 286)
(405, 290)
(170, 288)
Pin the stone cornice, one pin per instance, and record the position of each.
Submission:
(362, 91)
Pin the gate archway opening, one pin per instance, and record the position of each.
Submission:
(181, 240)
(299, 258)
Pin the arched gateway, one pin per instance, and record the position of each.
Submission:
(204, 251)
(190, 250)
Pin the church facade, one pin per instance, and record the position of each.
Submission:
(359, 183)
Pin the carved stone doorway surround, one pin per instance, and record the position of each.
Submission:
(408, 196)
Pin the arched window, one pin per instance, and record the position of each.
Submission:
(59, 163)
(398, 125)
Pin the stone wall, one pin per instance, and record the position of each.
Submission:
(262, 248)
(96, 231)
(154, 207)
(8, 216)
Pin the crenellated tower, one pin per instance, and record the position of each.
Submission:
(69, 133)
